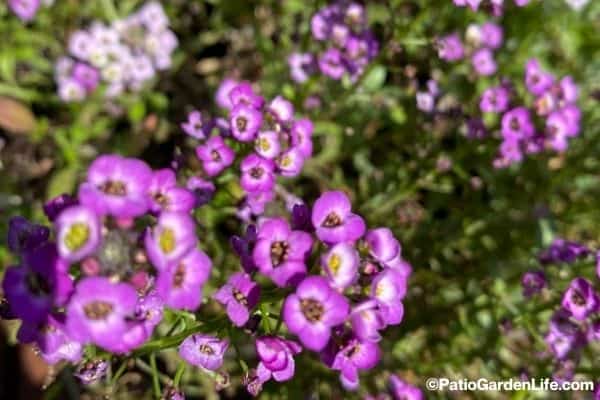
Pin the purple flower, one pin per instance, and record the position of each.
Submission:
(483, 62)
(568, 91)
(301, 136)
(24, 9)
(203, 190)
(242, 94)
(53, 207)
(537, 80)
(388, 289)
(476, 128)
(215, 155)
(196, 126)
(204, 351)
(425, 101)
(276, 357)
(86, 75)
(180, 284)
(172, 237)
(24, 235)
(78, 233)
(491, 35)
(563, 251)
(257, 174)
(222, 96)
(267, 144)
(330, 64)
(91, 371)
(341, 265)
(302, 66)
(49, 336)
(245, 122)
(564, 336)
(355, 356)
(313, 311)
(383, 246)
(290, 162)
(580, 299)
(333, 219)
(367, 320)
(239, 295)
(280, 253)
(243, 247)
(116, 186)
(301, 218)
(495, 99)
(401, 390)
(450, 48)
(517, 124)
(99, 312)
(165, 195)
(533, 282)
(281, 109)
(41, 283)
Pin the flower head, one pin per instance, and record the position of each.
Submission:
(172, 237)
(341, 265)
(239, 295)
(77, 233)
(276, 357)
(204, 351)
(581, 299)
(333, 219)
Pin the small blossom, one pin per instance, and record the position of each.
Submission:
(215, 155)
(581, 299)
(196, 126)
(172, 237)
(78, 233)
(341, 265)
(401, 390)
(204, 351)
(239, 295)
(257, 174)
(333, 219)
(353, 357)
(276, 357)
(91, 371)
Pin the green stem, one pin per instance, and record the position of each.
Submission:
(119, 372)
(179, 374)
(155, 381)
(110, 11)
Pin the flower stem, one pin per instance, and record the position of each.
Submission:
(155, 381)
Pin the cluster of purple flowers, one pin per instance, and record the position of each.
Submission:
(118, 253)
(574, 324)
(553, 104)
(123, 55)
(481, 42)
(280, 143)
(337, 311)
(496, 7)
(426, 99)
(350, 44)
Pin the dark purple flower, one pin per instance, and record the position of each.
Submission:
(40, 284)
(564, 336)
(401, 390)
(280, 253)
(341, 265)
(196, 126)
(52, 342)
(239, 295)
(313, 311)
(333, 219)
(24, 235)
(215, 155)
(78, 233)
(53, 207)
(180, 284)
(172, 237)
(276, 357)
(165, 195)
(243, 247)
(203, 190)
(99, 312)
(116, 186)
(91, 371)
(301, 218)
(352, 357)
(204, 351)
(533, 282)
(563, 251)
(257, 174)
(476, 129)
(580, 299)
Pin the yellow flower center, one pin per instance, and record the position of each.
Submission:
(334, 263)
(167, 240)
(264, 145)
(77, 236)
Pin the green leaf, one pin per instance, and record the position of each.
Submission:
(375, 78)
(63, 181)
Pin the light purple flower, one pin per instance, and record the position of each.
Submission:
(367, 320)
(196, 126)
(301, 136)
(330, 64)
(517, 124)
(172, 237)
(495, 99)
(116, 186)
(491, 35)
(245, 122)
(403, 391)
(333, 219)
(536, 79)
(450, 48)
(302, 66)
(86, 75)
(313, 311)
(98, 312)
(290, 162)
(341, 265)
(276, 357)
(215, 155)
(24, 9)
(204, 351)
(383, 246)
(280, 253)
(91, 371)
(580, 299)
(568, 91)
(222, 96)
(165, 195)
(78, 233)
(281, 109)
(425, 101)
(49, 336)
(389, 288)
(483, 62)
(257, 174)
(267, 144)
(564, 336)
(239, 295)
(353, 357)
(243, 94)
(180, 284)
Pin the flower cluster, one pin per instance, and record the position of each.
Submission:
(337, 311)
(116, 255)
(553, 104)
(350, 44)
(574, 324)
(279, 144)
(496, 7)
(123, 55)
(481, 42)
(426, 99)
